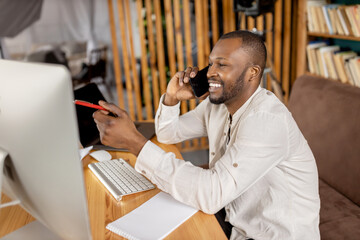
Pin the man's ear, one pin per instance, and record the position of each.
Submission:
(255, 71)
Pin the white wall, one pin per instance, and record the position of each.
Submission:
(64, 21)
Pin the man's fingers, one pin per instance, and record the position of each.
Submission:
(181, 78)
(194, 72)
(187, 74)
(112, 108)
(100, 117)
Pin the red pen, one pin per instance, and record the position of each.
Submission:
(90, 105)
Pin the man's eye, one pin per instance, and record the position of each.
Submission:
(222, 65)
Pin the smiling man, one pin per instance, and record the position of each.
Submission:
(261, 170)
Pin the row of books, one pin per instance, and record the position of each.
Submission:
(333, 18)
(331, 62)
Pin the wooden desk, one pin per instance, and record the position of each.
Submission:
(103, 208)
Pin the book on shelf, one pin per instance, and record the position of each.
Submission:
(339, 59)
(357, 69)
(330, 16)
(338, 26)
(322, 21)
(326, 61)
(333, 18)
(344, 20)
(331, 62)
(312, 56)
(351, 12)
(325, 13)
(354, 68)
(313, 18)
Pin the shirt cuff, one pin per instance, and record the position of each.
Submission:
(148, 159)
(173, 110)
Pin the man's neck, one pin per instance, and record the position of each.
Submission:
(234, 104)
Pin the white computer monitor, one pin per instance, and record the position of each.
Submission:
(39, 147)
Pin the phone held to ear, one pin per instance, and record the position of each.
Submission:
(199, 83)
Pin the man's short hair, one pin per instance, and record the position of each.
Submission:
(252, 44)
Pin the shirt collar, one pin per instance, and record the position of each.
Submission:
(242, 109)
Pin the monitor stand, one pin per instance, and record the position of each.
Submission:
(32, 231)
(3, 157)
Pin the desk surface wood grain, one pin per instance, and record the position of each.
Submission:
(103, 208)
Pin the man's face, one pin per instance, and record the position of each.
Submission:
(227, 71)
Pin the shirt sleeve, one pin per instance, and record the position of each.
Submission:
(260, 145)
(172, 128)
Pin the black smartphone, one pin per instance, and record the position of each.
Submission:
(199, 83)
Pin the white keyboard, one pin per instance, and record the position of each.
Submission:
(120, 178)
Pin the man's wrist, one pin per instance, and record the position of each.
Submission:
(138, 145)
(169, 100)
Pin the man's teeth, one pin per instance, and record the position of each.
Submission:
(214, 85)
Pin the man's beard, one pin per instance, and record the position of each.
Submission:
(232, 90)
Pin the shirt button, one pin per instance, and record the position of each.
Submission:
(268, 93)
(213, 153)
(143, 172)
(235, 165)
(224, 134)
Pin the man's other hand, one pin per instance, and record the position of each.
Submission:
(118, 131)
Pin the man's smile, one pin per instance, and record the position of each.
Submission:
(214, 86)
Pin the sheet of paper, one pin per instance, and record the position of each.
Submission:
(155, 219)
(84, 151)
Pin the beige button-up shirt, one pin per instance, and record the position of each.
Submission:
(264, 173)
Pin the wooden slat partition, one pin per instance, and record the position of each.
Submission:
(189, 62)
(127, 69)
(144, 63)
(166, 42)
(277, 51)
(153, 65)
(134, 72)
(160, 46)
(179, 44)
(206, 31)
(269, 43)
(286, 46)
(214, 21)
(170, 36)
(228, 16)
(116, 58)
(188, 41)
(200, 34)
(277, 26)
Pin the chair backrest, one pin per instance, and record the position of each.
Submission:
(328, 114)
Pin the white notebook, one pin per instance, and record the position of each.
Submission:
(154, 219)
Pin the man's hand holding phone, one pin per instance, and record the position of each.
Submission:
(181, 87)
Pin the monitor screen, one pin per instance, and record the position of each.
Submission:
(39, 146)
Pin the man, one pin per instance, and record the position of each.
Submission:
(261, 168)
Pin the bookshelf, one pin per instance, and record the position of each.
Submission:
(305, 36)
(337, 36)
